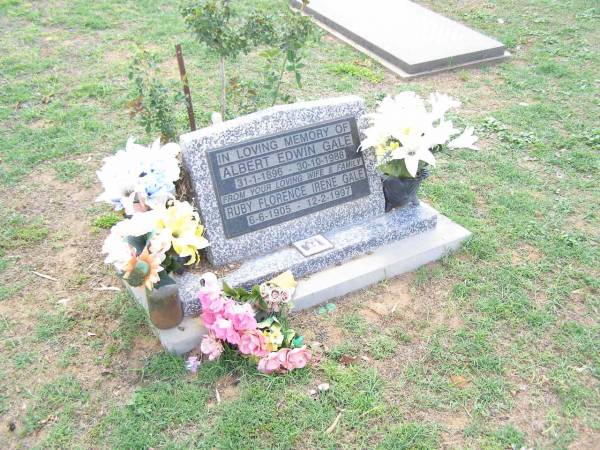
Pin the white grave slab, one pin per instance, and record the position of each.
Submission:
(407, 38)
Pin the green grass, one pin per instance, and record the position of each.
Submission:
(507, 329)
(17, 231)
(411, 436)
(61, 398)
(51, 326)
(383, 346)
(152, 414)
(68, 170)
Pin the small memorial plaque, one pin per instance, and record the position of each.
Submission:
(313, 245)
(277, 178)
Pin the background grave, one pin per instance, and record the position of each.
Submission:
(407, 38)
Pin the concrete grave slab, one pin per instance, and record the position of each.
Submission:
(245, 173)
(407, 38)
(384, 262)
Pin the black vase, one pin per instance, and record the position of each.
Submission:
(401, 192)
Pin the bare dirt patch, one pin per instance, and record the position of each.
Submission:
(318, 328)
(525, 253)
(71, 255)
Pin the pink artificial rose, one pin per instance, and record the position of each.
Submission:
(210, 294)
(252, 342)
(208, 318)
(241, 314)
(214, 304)
(211, 346)
(282, 354)
(297, 358)
(223, 329)
(269, 363)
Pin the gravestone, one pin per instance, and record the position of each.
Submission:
(268, 179)
(407, 38)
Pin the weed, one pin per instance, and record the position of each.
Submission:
(107, 221)
(356, 71)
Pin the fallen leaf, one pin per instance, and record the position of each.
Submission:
(334, 424)
(459, 381)
(347, 359)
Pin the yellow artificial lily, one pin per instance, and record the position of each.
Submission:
(180, 225)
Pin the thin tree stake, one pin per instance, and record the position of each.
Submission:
(186, 87)
(223, 87)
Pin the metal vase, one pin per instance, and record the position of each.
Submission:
(401, 192)
(164, 307)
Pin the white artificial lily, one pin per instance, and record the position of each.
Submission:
(118, 252)
(140, 223)
(412, 152)
(466, 140)
(440, 105)
(404, 128)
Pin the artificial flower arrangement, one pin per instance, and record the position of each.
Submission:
(405, 134)
(159, 234)
(253, 322)
(150, 245)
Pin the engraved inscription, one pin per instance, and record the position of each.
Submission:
(280, 177)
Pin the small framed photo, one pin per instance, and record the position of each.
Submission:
(313, 245)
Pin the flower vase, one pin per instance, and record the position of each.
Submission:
(401, 192)
(164, 306)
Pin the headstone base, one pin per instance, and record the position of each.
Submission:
(348, 242)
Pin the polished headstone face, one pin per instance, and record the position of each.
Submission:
(271, 178)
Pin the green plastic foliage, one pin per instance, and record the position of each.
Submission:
(137, 275)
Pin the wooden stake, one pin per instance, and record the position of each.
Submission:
(186, 87)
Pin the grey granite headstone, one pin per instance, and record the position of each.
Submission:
(268, 179)
(407, 38)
